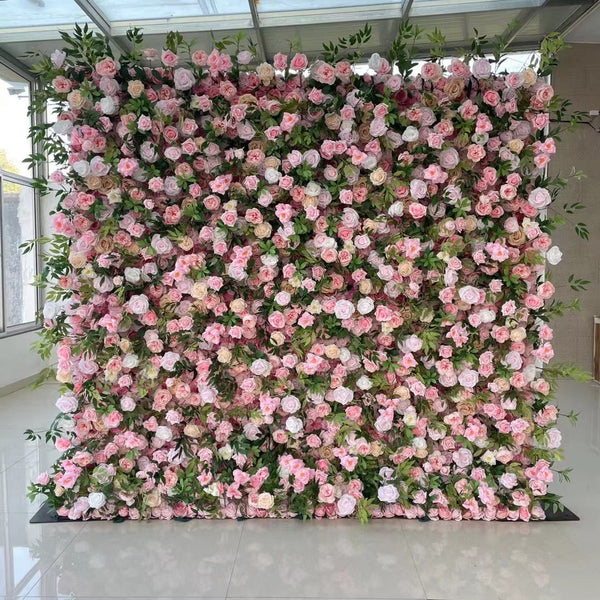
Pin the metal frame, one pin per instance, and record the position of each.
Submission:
(260, 21)
(260, 43)
(22, 70)
(103, 24)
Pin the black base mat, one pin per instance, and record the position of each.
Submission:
(46, 514)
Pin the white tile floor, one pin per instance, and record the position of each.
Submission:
(292, 559)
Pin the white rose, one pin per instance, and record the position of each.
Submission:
(127, 404)
(225, 452)
(82, 168)
(130, 361)
(294, 424)
(396, 209)
(539, 198)
(290, 404)
(132, 274)
(139, 304)
(260, 367)
(212, 489)
(97, 500)
(62, 127)
(364, 383)
(114, 196)
(67, 403)
(164, 433)
(410, 418)
(487, 315)
(410, 134)
(554, 255)
(419, 443)
(345, 355)
(51, 309)
(468, 378)
(208, 395)
(343, 395)
(383, 423)
(388, 493)
(553, 438)
(268, 260)
(312, 189)
(108, 105)
(251, 431)
(469, 294)
(344, 309)
(272, 175)
(365, 305)
(183, 79)
(375, 62)
(346, 505)
(283, 298)
(488, 458)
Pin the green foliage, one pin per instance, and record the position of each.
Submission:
(578, 285)
(550, 47)
(403, 51)
(349, 45)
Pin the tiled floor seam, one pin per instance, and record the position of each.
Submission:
(237, 552)
(414, 562)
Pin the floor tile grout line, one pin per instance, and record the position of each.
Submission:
(26, 595)
(237, 552)
(412, 557)
(8, 467)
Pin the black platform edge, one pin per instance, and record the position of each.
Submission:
(46, 514)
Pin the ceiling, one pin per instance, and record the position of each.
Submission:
(273, 24)
(587, 29)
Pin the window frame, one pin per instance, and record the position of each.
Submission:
(5, 176)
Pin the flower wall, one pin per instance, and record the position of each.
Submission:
(288, 289)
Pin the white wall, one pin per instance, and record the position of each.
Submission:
(17, 360)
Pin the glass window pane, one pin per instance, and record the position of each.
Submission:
(18, 269)
(15, 146)
(33, 13)
(295, 5)
(117, 10)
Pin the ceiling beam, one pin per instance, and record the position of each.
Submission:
(583, 13)
(513, 29)
(103, 24)
(260, 43)
(19, 67)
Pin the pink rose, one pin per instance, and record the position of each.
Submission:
(299, 62)
(327, 495)
(462, 457)
(107, 67)
(169, 59)
(280, 61)
(449, 158)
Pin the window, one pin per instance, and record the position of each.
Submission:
(19, 299)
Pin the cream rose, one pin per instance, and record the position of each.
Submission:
(265, 501)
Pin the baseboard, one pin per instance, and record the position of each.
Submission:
(18, 385)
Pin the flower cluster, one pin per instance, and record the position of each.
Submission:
(289, 289)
